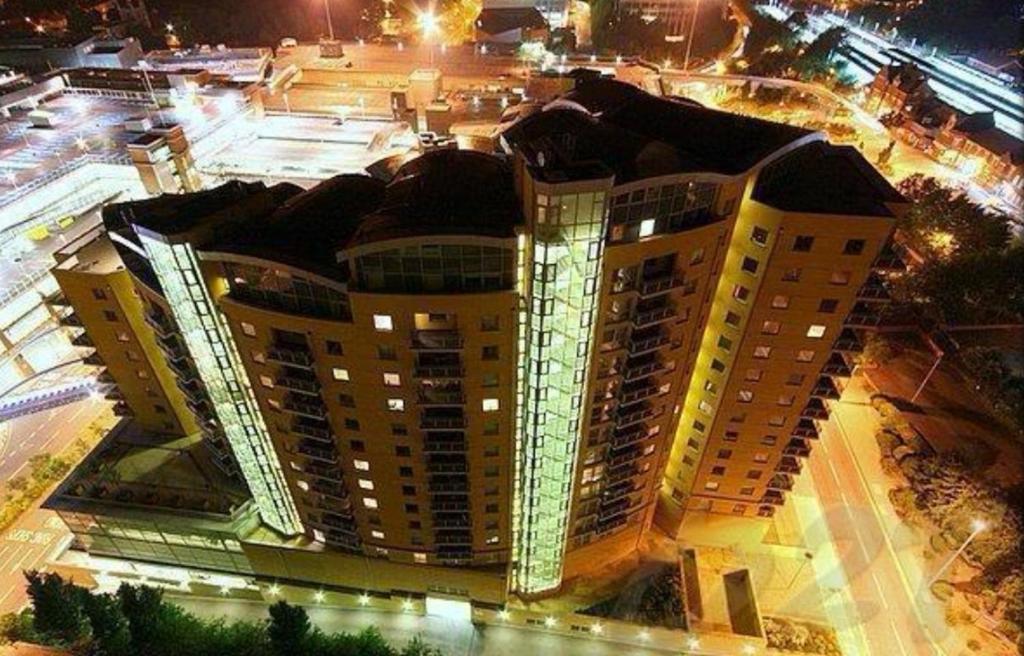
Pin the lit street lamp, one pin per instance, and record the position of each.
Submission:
(430, 26)
(330, 25)
(977, 526)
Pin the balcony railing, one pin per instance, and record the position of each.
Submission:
(315, 409)
(788, 465)
(121, 409)
(447, 467)
(638, 394)
(432, 422)
(797, 448)
(653, 317)
(317, 452)
(298, 384)
(805, 428)
(161, 324)
(773, 498)
(444, 446)
(644, 345)
(660, 285)
(646, 369)
(291, 355)
(441, 397)
(626, 418)
(319, 433)
(451, 371)
(815, 409)
(781, 482)
(436, 340)
(847, 342)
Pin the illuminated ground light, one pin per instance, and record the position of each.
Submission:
(550, 622)
(504, 615)
(596, 629)
(693, 643)
(749, 649)
(225, 590)
(274, 590)
(644, 635)
(319, 596)
(407, 605)
(364, 599)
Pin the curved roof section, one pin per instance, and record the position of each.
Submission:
(445, 192)
(307, 230)
(705, 139)
(820, 178)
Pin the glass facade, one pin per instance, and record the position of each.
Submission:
(217, 361)
(450, 268)
(661, 209)
(282, 291)
(560, 311)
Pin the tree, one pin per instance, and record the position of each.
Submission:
(109, 626)
(942, 222)
(288, 629)
(57, 603)
(143, 608)
(416, 647)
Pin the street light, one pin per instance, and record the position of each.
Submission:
(327, 13)
(977, 526)
(429, 25)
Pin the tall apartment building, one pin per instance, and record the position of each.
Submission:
(520, 363)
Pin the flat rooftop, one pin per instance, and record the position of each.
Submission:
(134, 469)
(91, 253)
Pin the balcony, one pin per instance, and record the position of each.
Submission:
(320, 432)
(626, 418)
(614, 507)
(449, 505)
(644, 344)
(302, 384)
(317, 451)
(121, 409)
(836, 366)
(454, 537)
(330, 489)
(200, 407)
(889, 259)
(650, 367)
(862, 315)
(436, 340)
(325, 473)
(815, 409)
(70, 320)
(847, 342)
(805, 429)
(455, 554)
(447, 467)
(104, 377)
(659, 285)
(773, 498)
(438, 371)
(191, 388)
(633, 393)
(93, 359)
(632, 435)
(57, 299)
(82, 339)
(445, 519)
(797, 448)
(434, 422)
(114, 394)
(619, 457)
(298, 405)
(292, 355)
(450, 487)
(440, 397)
(161, 324)
(873, 290)
(781, 482)
(653, 317)
(443, 445)
(609, 524)
(618, 474)
(788, 465)
(825, 388)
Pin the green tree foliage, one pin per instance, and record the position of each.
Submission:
(617, 31)
(289, 628)
(138, 621)
(937, 210)
(57, 603)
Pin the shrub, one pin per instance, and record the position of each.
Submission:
(887, 441)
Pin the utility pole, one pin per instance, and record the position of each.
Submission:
(689, 39)
(330, 26)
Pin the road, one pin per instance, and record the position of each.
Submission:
(450, 636)
(38, 535)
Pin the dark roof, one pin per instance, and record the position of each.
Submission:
(443, 192)
(999, 143)
(495, 20)
(714, 141)
(170, 214)
(820, 178)
(638, 135)
(309, 228)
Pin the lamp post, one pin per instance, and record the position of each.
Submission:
(689, 39)
(977, 526)
(330, 26)
(429, 26)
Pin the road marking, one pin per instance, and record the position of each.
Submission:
(835, 475)
(878, 587)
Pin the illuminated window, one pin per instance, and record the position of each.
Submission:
(361, 465)
(780, 302)
(267, 382)
(786, 400)
(745, 396)
(396, 405)
(646, 227)
(839, 278)
(761, 352)
(771, 328)
(370, 502)
(123, 337)
(753, 375)
(392, 379)
(419, 557)
(248, 329)
(493, 539)
(339, 373)
(697, 256)
(804, 356)
(490, 405)
(382, 323)
(711, 485)
(709, 386)
(816, 331)
(377, 535)
(365, 484)
(303, 485)
(759, 236)
(705, 407)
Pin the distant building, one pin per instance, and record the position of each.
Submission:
(117, 15)
(231, 64)
(510, 25)
(554, 12)
(42, 53)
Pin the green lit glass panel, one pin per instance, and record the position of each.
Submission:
(557, 324)
(216, 357)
